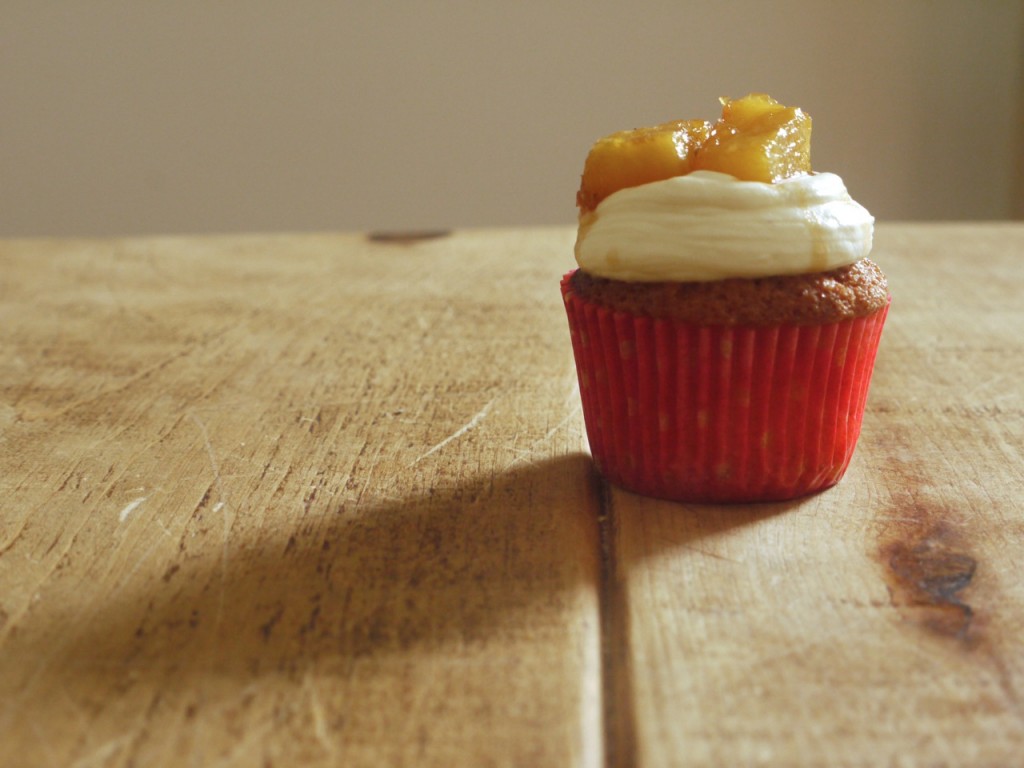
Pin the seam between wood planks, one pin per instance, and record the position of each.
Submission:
(617, 704)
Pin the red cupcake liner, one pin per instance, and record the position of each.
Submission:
(716, 413)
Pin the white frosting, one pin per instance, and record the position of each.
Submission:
(710, 226)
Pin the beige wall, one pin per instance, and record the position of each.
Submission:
(199, 115)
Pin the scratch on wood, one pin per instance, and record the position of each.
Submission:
(536, 448)
(13, 540)
(471, 424)
(573, 390)
(105, 392)
(369, 474)
(141, 561)
(569, 417)
(131, 507)
(709, 553)
(102, 754)
(222, 505)
(316, 708)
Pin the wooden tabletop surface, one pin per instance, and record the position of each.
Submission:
(325, 500)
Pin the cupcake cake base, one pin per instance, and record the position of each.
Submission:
(722, 413)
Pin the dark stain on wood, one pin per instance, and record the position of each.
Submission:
(406, 237)
(928, 569)
(268, 626)
(172, 569)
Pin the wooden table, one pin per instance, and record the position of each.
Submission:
(325, 500)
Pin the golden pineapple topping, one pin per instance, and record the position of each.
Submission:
(756, 139)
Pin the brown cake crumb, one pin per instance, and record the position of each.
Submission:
(812, 299)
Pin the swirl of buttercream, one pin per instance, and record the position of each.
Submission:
(711, 226)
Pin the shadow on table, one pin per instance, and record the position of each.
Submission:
(477, 575)
(445, 571)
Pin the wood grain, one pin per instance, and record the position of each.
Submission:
(324, 500)
(880, 622)
(293, 501)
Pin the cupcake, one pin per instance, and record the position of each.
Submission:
(724, 315)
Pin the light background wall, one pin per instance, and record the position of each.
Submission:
(122, 117)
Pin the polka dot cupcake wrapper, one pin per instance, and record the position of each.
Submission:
(719, 414)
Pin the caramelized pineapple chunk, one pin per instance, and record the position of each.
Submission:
(757, 139)
(631, 158)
